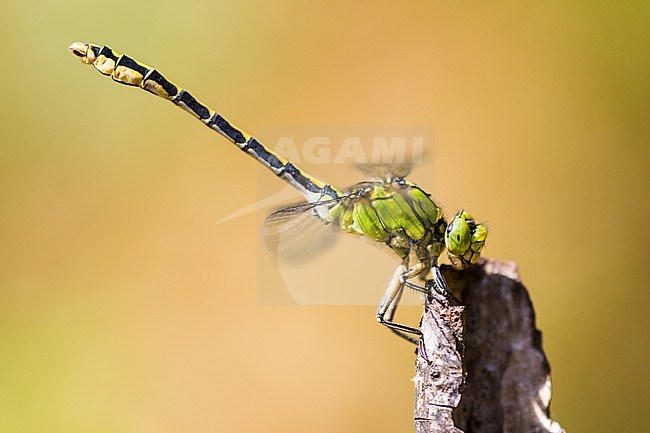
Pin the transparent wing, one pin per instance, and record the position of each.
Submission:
(386, 171)
(296, 234)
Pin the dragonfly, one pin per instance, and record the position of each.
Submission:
(388, 209)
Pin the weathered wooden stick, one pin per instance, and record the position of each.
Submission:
(493, 356)
(439, 374)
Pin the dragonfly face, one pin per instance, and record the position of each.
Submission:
(464, 239)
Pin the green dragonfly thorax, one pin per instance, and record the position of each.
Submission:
(395, 212)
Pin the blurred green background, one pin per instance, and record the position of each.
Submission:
(123, 307)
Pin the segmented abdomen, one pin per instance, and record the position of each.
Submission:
(125, 70)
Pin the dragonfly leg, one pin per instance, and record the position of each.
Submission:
(391, 299)
(390, 312)
(438, 283)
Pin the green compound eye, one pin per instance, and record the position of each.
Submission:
(458, 236)
(464, 240)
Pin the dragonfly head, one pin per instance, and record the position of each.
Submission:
(464, 240)
(83, 52)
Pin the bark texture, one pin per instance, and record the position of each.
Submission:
(489, 350)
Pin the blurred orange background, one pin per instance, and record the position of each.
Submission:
(125, 308)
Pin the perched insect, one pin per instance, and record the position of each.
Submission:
(388, 210)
